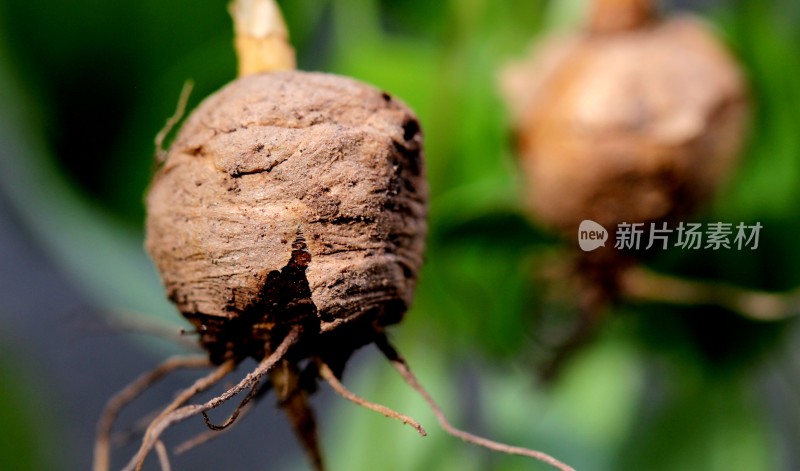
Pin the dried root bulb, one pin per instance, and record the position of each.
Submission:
(287, 220)
(638, 118)
(290, 198)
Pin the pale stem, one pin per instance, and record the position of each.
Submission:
(261, 37)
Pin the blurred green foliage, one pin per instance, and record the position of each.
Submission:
(88, 84)
(26, 439)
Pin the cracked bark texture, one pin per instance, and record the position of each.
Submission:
(290, 197)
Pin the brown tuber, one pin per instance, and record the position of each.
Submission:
(636, 119)
(290, 198)
(287, 221)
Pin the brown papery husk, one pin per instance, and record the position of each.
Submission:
(290, 198)
(633, 125)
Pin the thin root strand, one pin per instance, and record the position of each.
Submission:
(163, 456)
(293, 399)
(164, 421)
(199, 386)
(402, 367)
(235, 414)
(180, 110)
(327, 374)
(102, 448)
(209, 435)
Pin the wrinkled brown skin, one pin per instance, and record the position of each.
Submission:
(291, 198)
(636, 119)
(633, 125)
